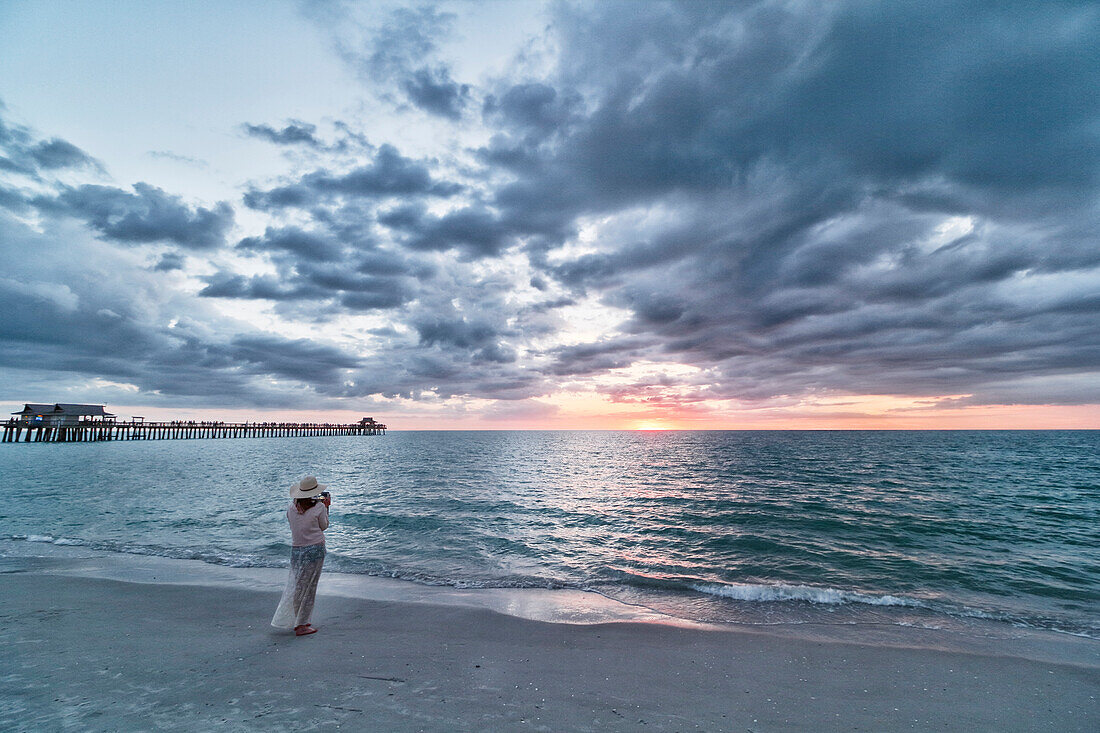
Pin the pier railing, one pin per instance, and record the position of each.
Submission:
(18, 431)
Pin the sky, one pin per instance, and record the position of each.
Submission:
(635, 215)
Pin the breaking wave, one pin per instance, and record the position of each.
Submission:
(810, 594)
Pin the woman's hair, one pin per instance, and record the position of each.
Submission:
(303, 504)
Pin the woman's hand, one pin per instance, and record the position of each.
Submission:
(327, 500)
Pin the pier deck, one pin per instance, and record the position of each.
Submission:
(17, 431)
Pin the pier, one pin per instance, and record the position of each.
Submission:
(18, 431)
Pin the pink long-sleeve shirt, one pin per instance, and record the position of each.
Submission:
(307, 528)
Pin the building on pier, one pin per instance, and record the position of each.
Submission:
(68, 423)
(62, 414)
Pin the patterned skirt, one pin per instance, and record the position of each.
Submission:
(296, 605)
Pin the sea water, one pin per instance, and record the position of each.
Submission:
(912, 528)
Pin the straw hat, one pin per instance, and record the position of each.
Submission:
(307, 488)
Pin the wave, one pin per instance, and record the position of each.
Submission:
(47, 538)
(808, 593)
(815, 595)
(212, 557)
(832, 598)
(335, 561)
(746, 592)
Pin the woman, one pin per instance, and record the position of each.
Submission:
(308, 517)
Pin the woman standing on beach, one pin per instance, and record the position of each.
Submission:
(308, 517)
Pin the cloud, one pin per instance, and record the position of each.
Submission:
(765, 202)
(280, 197)
(21, 153)
(470, 335)
(259, 287)
(388, 174)
(433, 90)
(185, 159)
(169, 261)
(399, 55)
(147, 215)
(294, 132)
(794, 201)
(815, 201)
(307, 245)
(123, 326)
(475, 231)
(56, 153)
(373, 281)
(304, 360)
(598, 357)
(534, 106)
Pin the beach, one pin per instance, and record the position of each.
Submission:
(102, 642)
(508, 581)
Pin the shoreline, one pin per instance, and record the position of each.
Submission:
(557, 606)
(96, 653)
(101, 641)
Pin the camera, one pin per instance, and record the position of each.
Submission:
(325, 494)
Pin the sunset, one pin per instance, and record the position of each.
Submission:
(526, 215)
(550, 365)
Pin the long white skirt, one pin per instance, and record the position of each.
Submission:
(296, 605)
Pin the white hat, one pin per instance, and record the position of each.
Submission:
(307, 488)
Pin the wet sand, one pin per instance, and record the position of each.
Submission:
(89, 653)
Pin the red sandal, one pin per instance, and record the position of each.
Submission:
(304, 630)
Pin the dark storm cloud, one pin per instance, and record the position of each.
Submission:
(388, 174)
(258, 287)
(796, 200)
(280, 197)
(149, 214)
(103, 331)
(433, 90)
(399, 53)
(169, 261)
(384, 262)
(294, 132)
(55, 153)
(843, 203)
(475, 231)
(374, 281)
(12, 200)
(21, 153)
(310, 246)
(299, 134)
(302, 359)
(372, 287)
(470, 335)
(411, 372)
(875, 92)
(405, 37)
(594, 358)
(534, 108)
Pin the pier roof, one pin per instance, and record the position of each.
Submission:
(35, 408)
(71, 409)
(63, 408)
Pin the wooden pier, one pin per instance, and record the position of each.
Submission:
(19, 431)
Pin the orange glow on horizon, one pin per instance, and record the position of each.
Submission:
(593, 412)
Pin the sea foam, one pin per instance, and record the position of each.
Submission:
(810, 594)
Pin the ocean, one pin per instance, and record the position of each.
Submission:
(929, 529)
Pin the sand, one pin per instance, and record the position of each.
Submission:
(91, 653)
